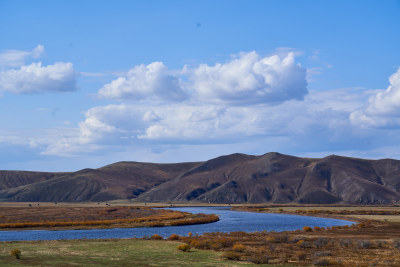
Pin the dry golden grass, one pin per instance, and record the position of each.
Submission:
(78, 217)
(368, 244)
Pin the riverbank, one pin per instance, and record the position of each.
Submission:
(62, 217)
(373, 241)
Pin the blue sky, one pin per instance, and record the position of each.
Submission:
(88, 83)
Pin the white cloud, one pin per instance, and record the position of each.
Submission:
(35, 78)
(383, 108)
(246, 79)
(153, 81)
(251, 79)
(16, 58)
(320, 120)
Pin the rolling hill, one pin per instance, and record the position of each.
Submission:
(236, 178)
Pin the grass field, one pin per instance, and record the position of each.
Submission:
(116, 252)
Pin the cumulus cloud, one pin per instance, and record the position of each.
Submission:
(16, 58)
(383, 108)
(153, 81)
(35, 78)
(246, 79)
(322, 116)
(251, 79)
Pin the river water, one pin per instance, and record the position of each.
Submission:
(230, 221)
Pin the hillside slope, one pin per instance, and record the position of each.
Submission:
(121, 180)
(236, 178)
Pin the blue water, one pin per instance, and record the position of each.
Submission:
(230, 221)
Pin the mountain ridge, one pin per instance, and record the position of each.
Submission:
(236, 178)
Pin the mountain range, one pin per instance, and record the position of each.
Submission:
(236, 178)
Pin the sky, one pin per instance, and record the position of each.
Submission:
(88, 83)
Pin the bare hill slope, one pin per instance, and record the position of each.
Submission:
(236, 178)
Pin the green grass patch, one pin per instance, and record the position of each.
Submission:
(114, 252)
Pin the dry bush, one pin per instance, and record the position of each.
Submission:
(156, 237)
(364, 244)
(259, 258)
(220, 243)
(317, 228)
(271, 239)
(16, 253)
(173, 237)
(281, 238)
(277, 238)
(396, 243)
(301, 256)
(344, 243)
(304, 244)
(381, 244)
(183, 247)
(320, 242)
(272, 247)
(322, 253)
(307, 229)
(238, 247)
(231, 255)
(321, 262)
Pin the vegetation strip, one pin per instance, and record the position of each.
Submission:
(123, 217)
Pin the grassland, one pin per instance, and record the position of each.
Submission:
(121, 252)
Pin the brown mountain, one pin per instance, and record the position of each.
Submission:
(235, 178)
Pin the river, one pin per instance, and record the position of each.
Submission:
(230, 221)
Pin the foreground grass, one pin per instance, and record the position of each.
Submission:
(115, 252)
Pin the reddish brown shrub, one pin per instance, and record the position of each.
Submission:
(238, 247)
(173, 237)
(156, 237)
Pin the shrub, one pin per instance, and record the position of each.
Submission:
(321, 262)
(238, 247)
(396, 243)
(301, 256)
(317, 228)
(16, 253)
(281, 238)
(220, 243)
(156, 237)
(271, 239)
(173, 237)
(201, 244)
(259, 259)
(320, 242)
(307, 228)
(303, 244)
(184, 247)
(231, 255)
(364, 244)
(345, 243)
(322, 253)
